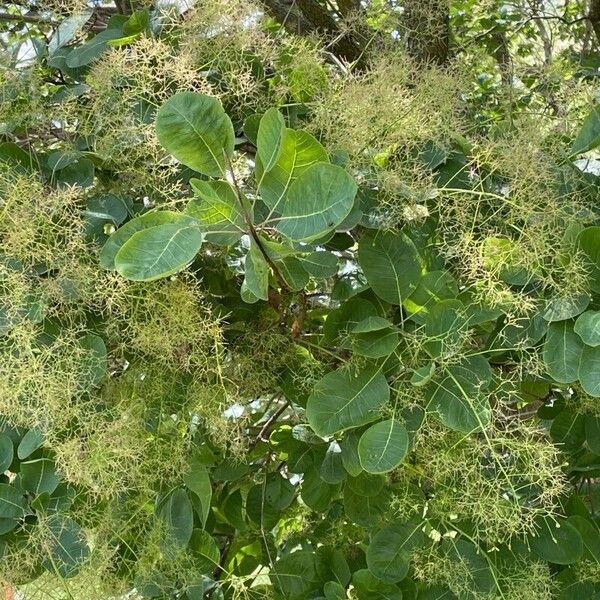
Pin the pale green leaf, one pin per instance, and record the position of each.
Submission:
(317, 202)
(300, 150)
(194, 128)
(587, 327)
(271, 132)
(218, 211)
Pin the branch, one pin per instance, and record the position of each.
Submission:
(594, 17)
(268, 424)
(27, 18)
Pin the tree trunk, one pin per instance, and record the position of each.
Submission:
(427, 27)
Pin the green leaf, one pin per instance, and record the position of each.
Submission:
(590, 535)
(68, 548)
(154, 219)
(374, 337)
(433, 287)
(292, 272)
(423, 375)
(320, 264)
(256, 281)
(30, 442)
(562, 352)
(388, 554)
(334, 591)
(366, 511)
(587, 327)
(156, 252)
(391, 264)
(592, 433)
(366, 484)
(94, 363)
(369, 587)
(7, 452)
(588, 242)
(271, 132)
(218, 211)
(295, 575)
(466, 556)
(196, 131)
(445, 329)
(204, 547)
(86, 53)
(177, 514)
(457, 396)
(589, 134)
(342, 400)
(198, 481)
(589, 370)
(317, 202)
(300, 150)
(349, 446)
(316, 494)
(346, 317)
(12, 502)
(67, 30)
(557, 542)
(332, 468)
(560, 309)
(383, 446)
(38, 476)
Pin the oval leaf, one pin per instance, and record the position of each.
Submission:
(196, 131)
(388, 554)
(269, 140)
(317, 202)
(159, 251)
(342, 400)
(562, 352)
(391, 265)
(383, 446)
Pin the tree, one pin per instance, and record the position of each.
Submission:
(299, 300)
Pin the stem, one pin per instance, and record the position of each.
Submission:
(251, 228)
(268, 424)
(27, 18)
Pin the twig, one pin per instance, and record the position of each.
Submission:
(268, 424)
(27, 18)
(253, 232)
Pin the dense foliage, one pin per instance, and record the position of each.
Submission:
(300, 300)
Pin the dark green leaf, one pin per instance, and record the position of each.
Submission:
(383, 446)
(391, 264)
(342, 400)
(457, 396)
(557, 542)
(38, 476)
(388, 554)
(562, 352)
(68, 548)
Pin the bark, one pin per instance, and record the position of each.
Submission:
(427, 27)
(594, 18)
(310, 16)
